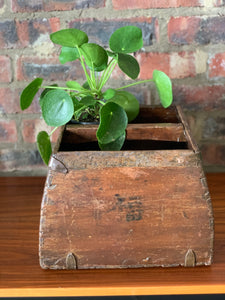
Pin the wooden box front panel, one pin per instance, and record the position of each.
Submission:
(125, 209)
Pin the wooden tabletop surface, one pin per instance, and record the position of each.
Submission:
(21, 275)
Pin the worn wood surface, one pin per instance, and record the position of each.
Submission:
(76, 134)
(125, 209)
(191, 142)
(126, 217)
(157, 114)
(153, 123)
(21, 275)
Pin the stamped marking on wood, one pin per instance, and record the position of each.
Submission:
(132, 206)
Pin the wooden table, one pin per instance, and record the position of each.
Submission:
(21, 276)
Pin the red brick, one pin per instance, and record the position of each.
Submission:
(20, 34)
(12, 160)
(217, 65)
(211, 30)
(200, 97)
(9, 102)
(29, 67)
(214, 126)
(182, 30)
(26, 5)
(31, 128)
(198, 30)
(51, 5)
(213, 154)
(145, 4)
(182, 65)
(100, 31)
(5, 69)
(8, 132)
(150, 61)
(175, 65)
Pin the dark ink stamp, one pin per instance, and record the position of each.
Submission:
(133, 207)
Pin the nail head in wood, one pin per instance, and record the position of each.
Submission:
(71, 262)
(56, 165)
(190, 258)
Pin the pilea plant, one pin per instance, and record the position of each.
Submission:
(111, 108)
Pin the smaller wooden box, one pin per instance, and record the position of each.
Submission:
(144, 206)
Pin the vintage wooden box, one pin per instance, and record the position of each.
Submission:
(145, 206)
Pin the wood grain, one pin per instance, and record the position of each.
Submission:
(144, 206)
(21, 275)
(77, 133)
(153, 124)
(136, 221)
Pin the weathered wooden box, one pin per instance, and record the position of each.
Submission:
(147, 205)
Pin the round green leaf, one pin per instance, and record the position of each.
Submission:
(76, 102)
(95, 56)
(88, 101)
(68, 54)
(69, 37)
(129, 103)
(86, 85)
(45, 92)
(113, 122)
(74, 85)
(44, 146)
(126, 39)
(114, 146)
(29, 93)
(57, 108)
(164, 87)
(129, 65)
(108, 94)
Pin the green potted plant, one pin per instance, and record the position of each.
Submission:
(146, 205)
(111, 108)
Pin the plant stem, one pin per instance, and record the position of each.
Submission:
(85, 71)
(107, 73)
(57, 87)
(92, 72)
(53, 131)
(102, 77)
(110, 72)
(83, 91)
(97, 79)
(101, 102)
(135, 83)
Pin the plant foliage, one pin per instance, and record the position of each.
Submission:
(112, 108)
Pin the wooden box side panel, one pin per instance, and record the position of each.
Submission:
(153, 124)
(78, 133)
(126, 217)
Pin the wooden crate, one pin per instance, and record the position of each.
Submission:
(144, 206)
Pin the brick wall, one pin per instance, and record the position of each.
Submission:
(184, 38)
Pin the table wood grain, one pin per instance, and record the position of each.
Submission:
(21, 275)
